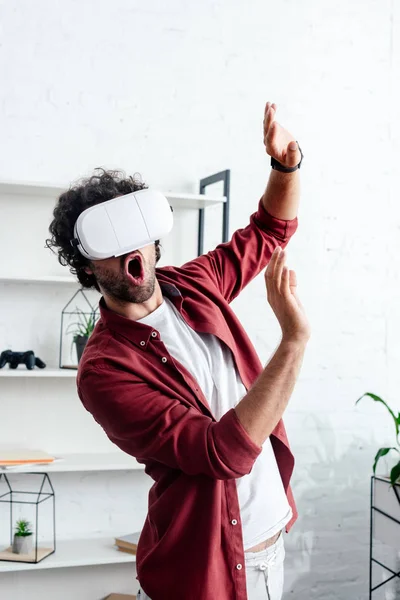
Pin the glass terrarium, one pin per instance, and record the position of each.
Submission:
(27, 528)
(78, 319)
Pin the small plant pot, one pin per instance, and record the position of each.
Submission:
(80, 342)
(22, 544)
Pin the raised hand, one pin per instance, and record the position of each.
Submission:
(282, 296)
(278, 142)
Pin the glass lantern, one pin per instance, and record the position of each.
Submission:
(78, 319)
(28, 533)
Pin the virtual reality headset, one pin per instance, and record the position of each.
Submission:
(123, 224)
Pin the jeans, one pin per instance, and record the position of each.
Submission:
(264, 573)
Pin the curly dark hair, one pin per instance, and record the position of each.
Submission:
(101, 186)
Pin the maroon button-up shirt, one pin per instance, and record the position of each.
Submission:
(149, 405)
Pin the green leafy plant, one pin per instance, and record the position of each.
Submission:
(23, 528)
(85, 326)
(395, 472)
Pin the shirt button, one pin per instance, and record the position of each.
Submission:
(239, 566)
(154, 333)
(142, 343)
(234, 522)
(164, 359)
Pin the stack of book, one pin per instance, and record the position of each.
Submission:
(128, 543)
(18, 458)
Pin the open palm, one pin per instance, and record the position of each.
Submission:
(279, 143)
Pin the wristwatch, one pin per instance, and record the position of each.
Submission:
(279, 167)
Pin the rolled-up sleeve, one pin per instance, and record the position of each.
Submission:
(151, 426)
(232, 265)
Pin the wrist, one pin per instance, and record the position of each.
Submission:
(277, 166)
(295, 341)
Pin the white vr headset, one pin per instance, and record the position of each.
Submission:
(122, 225)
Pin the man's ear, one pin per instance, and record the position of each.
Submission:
(88, 271)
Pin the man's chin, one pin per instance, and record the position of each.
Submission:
(133, 294)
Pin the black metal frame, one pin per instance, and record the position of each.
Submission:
(225, 177)
(371, 558)
(92, 310)
(41, 497)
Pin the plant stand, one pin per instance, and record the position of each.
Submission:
(14, 497)
(385, 526)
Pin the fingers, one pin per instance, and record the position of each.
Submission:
(269, 116)
(289, 282)
(293, 287)
(273, 273)
(271, 131)
(279, 277)
(285, 284)
(270, 139)
(279, 267)
(269, 273)
(269, 119)
(293, 282)
(269, 105)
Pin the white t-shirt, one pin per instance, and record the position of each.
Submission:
(264, 508)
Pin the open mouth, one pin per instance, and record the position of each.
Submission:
(134, 267)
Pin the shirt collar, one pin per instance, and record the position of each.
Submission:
(138, 333)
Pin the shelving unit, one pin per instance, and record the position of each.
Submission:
(44, 285)
(76, 553)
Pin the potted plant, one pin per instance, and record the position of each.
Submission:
(395, 472)
(83, 329)
(386, 489)
(22, 543)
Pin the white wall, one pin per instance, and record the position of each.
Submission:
(176, 91)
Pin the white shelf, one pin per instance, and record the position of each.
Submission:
(38, 279)
(110, 461)
(50, 190)
(194, 200)
(76, 553)
(22, 371)
(28, 188)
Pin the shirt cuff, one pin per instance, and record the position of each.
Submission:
(280, 229)
(235, 445)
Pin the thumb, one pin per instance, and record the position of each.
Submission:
(293, 154)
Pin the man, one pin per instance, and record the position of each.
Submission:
(173, 379)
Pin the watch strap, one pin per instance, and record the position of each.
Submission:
(279, 167)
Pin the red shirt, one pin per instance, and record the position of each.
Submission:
(150, 406)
